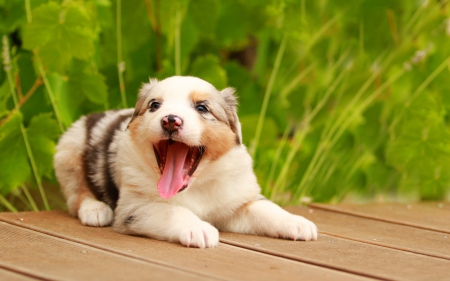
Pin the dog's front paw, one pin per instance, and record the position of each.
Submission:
(95, 213)
(200, 234)
(297, 228)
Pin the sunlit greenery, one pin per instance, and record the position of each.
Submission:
(338, 99)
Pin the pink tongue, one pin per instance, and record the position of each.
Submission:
(171, 180)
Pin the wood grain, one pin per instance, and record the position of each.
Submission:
(15, 276)
(415, 215)
(52, 258)
(381, 233)
(224, 262)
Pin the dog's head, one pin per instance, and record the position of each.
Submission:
(186, 120)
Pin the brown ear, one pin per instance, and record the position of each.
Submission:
(143, 93)
(228, 95)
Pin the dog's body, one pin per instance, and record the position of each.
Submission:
(174, 169)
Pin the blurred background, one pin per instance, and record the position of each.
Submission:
(339, 100)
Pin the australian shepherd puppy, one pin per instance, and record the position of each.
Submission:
(174, 168)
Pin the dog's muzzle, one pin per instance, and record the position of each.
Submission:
(171, 123)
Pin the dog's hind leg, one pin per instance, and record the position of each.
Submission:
(70, 172)
(263, 217)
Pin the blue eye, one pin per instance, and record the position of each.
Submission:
(154, 106)
(201, 108)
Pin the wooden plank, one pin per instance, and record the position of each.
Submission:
(416, 215)
(402, 237)
(52, 258)
(392, 256)
(440, 205)
(14, 276)
(349, 256)
(225, 261)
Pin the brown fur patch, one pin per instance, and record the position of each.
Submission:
(215, 104)
(139, 110)
(83, 193)
(75, 166)
(198, 96)
(218, 139)
(134, 127)
(245, 207)
(222, 107)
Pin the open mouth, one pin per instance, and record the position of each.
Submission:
(177, 162)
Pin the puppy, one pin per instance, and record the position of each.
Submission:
(174, 169)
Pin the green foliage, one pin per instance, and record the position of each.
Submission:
(42, 133)
(356, 92)
(60, 33)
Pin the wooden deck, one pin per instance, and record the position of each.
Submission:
(356, 242)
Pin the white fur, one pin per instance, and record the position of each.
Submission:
(69, 148)
(95, 213)
(223, 193)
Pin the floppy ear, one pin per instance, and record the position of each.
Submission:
(143, 93)
(228, 95)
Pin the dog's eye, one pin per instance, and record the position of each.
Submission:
(154, 106)
(201, 108)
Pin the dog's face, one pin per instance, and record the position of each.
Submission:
(185, 120)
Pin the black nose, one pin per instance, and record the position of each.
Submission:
(171, 123)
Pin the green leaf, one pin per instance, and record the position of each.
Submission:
(204, 13)
(42, 133)
(269, 130)
(5, 93)
(14, 167)
(232, 25)
(14, 159)
(59, 33)
(86, 83)
(66, 103)
(12, 15)
(208, 68)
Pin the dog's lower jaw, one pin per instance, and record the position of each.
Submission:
(177, 162)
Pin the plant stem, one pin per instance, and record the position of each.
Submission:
(150, 14)
(28, 11)
(22, 199)
(34, 167)
(30, 198)
(311, 43)
(7, 204)
(419, 90)
(43, 75)
(361, 37)
(8, 67)
(153, 16)
(49, 92)
(36, 85)
(329, 131)
(298, 139)
(267, 94)
(303, 11)
(414, 17)
(120, 62)
(274, 165)
(18, 86)
(294, 82)
(177, 42)
(324, 150)
(301, 133)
